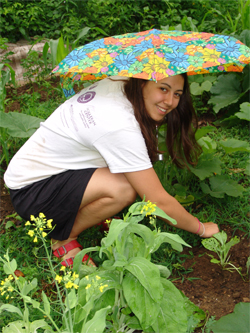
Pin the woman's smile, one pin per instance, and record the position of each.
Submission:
(163, 96)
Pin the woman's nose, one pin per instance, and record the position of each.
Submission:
(169, 99)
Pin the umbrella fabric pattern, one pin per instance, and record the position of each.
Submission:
(153, 55)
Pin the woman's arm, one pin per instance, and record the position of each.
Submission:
(146, 183)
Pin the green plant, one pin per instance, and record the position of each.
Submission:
(236, 322)
(218, 244)
(127, 292)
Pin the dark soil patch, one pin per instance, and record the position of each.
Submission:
(216, 291)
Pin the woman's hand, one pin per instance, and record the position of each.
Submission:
(211, 228)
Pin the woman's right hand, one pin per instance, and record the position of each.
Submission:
(211, 228)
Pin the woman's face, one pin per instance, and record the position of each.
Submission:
(163, 96)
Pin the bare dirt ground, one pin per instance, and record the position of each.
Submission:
(216, 291)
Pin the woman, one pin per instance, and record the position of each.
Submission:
(94, 155)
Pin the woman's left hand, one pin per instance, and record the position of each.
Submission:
(211, 228)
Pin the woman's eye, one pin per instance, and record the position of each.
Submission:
(164, 89)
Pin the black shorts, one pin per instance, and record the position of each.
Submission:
(57, 197)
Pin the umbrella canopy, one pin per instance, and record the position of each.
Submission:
(154, 55)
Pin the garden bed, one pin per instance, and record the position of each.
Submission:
(214, 290)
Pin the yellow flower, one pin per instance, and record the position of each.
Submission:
(62, 268)
(49, 225)
(75, 276)
(88, 286)
(32, 218)
(75, 286)
(44, 234)
(97, 277)
(28, 223)
(10, 289)
(31, 233)
(41, 215)
(7, 296)
(87, 277)
(35, 240)
(102, 287)
(58, 278)
(69, 284)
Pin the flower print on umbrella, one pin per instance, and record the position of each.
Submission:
(211, 55)
(230, 48)
(84, 63)
(124, 61)
(195, 61)
(156, 65)
(97, 44)
(136, 67)
(178, 59)
(103, 63)
(143, 46)
(175, 45)
(74, 57)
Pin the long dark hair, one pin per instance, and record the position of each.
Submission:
(181, 124)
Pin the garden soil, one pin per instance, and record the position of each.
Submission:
(214, 290)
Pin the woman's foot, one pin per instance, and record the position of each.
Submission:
(68, 249)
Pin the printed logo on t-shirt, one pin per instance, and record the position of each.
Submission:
(87, 97)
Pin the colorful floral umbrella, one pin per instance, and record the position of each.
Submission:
(153, 55)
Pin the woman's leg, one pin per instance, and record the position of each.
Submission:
(106, 195)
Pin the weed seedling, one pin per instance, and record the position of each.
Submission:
(218, 243)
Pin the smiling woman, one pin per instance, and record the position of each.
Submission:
(104, 135)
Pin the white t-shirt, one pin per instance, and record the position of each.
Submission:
(96, 128)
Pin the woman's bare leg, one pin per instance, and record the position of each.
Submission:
(106, 195)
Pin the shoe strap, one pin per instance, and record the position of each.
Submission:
(69, 261)
(62, 250)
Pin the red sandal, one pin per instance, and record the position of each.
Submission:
(62, 250)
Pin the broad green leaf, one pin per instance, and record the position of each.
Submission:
(148, 275)
(17, 326)
(79, 256)
(210, 244)
(10, 267)
(10, 224)
(207, 165)
(46, 303)
(247, 171)
(180, 190)
(139, 301)
(20, 326)
(225, 91)
(10, 308)
(215, 261)
(98, 323)
(194, 313)
(185, 200)
(206, 189)
(229, 186)
(221, 237)
(208, 145)
(160, 213)
(19, 125)
(203, 131)
(164, 271)
(232, 145)
(173, 239)
(197, 89)
(28, 286)
(244, 111)
(53, 49)
(172, 317)
(139, 229)
(236, 322)
(71, 299)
